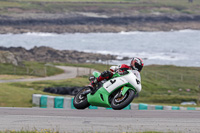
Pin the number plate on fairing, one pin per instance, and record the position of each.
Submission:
(114, 83)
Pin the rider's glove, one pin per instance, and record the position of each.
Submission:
(114, 68)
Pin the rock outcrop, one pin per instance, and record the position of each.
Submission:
(47, 54)
(8, 57)
(85, 24)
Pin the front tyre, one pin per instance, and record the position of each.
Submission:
(119, 101)
(80, 100)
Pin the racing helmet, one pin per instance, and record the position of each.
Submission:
(137, 64)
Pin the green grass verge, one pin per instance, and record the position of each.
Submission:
(102, 6)
(50, 131)
(16, 96)
(161, 85)
(31, 131)
(170, 84)
(30, 69)
(20, 94)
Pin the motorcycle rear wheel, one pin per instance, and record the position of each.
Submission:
(120, 102)
(80, 100)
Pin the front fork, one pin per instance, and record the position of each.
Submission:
(124, 89)
(120, 93)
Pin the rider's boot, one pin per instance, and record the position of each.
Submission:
(94, 82)
(93, 85)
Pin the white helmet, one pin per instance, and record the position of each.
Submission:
(137, 64)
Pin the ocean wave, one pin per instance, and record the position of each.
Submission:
(188, 31)
(40, 34)
(153, 32)
(130, 33)
(144, 55)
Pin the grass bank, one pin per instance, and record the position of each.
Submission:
(102, 6)
(20, 94)
(161, 85)
(29, 69)
(30, 131)
(50, 131)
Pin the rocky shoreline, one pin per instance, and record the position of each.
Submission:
(97, 16)
(87, 24)
(47, 54)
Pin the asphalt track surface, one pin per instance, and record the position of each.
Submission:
(63, 120)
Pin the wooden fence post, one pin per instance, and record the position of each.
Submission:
(90, 72)
(45, 71)
(27, 70)
(77, 72)
(181, 77)
(198, 97)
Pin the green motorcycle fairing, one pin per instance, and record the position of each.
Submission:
(101, 96)
(96, 74)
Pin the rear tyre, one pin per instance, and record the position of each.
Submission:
(119, 102)
(80, 100)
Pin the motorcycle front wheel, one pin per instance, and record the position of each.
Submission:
(80, 100)
(119, 101)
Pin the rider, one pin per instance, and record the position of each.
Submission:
(136, 65)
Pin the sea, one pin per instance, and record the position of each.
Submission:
(180, 48)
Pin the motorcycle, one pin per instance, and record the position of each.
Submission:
(116, 93)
